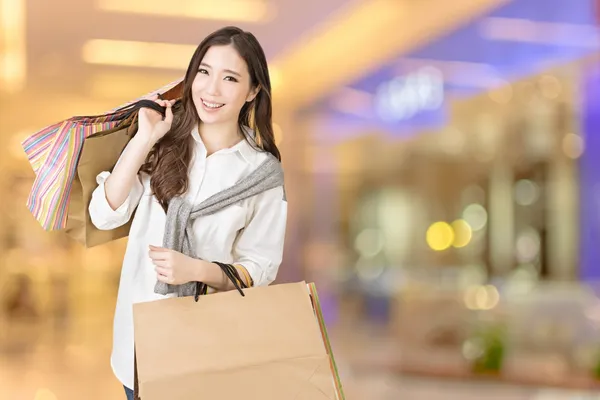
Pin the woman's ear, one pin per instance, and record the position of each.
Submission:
(253, 93)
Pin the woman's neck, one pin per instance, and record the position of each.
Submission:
(219, 136)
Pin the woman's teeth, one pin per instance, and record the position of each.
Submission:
(212, 105)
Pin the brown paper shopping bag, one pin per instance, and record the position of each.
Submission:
(100, 152)
(66, 158)
(267, 345)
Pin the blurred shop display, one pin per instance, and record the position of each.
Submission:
(496, 189)
(451, 212)
(451, 240)
(539, 334)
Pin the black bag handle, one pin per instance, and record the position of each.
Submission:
(123, 113)
(130, 109)
(230, 272)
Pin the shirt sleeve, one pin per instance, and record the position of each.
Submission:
(259, 247)
(102, 214)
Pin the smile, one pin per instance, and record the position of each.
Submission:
(212, 105)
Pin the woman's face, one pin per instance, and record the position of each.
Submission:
(222, 86)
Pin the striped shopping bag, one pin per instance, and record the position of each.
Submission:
(54, 154)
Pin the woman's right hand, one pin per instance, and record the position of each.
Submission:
(151, 124)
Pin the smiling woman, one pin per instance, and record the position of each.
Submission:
(219, 134)
(228, 69)
(219, 88)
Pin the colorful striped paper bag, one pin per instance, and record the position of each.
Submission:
(53, 153)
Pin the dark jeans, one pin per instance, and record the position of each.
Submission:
(129, 393)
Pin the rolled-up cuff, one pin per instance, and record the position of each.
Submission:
(258, 273)
(103, 206)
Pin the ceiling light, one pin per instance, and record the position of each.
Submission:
(221, 10)
(529, 31)
(461, 73)
(138, 54)
(12, 45)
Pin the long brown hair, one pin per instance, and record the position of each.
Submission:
(168, 162)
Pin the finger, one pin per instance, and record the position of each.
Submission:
(148, 111)
(158, 249)
(164, 279)
(164, 265)
(169, 113)
(162, 270)
(157, 255)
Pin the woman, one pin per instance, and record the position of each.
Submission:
(206, 146)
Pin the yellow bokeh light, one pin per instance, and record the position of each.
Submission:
(482, 298)
(440, 236)
(462, 233)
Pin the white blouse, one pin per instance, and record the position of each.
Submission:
(250, 233)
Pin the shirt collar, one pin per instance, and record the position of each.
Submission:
(245, 149)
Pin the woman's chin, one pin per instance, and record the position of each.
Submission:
(208, 119)
(211, 118)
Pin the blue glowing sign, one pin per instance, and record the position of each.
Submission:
(403, 97)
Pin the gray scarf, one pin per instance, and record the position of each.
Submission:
(179, 235)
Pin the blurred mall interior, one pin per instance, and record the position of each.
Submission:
(441, 175)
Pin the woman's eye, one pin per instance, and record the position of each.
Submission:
(203, 71)
(231, 79)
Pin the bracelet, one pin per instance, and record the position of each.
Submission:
(249, 281)
(232, 273)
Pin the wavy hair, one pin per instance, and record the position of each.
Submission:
(168, 162)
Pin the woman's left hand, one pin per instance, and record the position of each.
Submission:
(173, 267)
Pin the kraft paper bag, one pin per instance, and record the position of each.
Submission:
(100, 153)
(268, 345)
(66, 158)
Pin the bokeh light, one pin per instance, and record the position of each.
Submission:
(440, 236)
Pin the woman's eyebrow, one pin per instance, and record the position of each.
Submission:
(203, 64)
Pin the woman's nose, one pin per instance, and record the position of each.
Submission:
(213, 87)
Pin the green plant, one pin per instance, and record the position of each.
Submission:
(492, 341)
